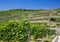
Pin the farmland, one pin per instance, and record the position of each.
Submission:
(35, 16)
(22, 24)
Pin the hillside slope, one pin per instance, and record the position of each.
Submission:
(39, 16)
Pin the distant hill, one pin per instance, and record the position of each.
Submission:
(32, 15)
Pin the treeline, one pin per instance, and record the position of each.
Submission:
(22, 31)
(26, 9)
(58, 9)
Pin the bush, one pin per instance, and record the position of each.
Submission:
(55, 19)
(52, 19)
(46, 41)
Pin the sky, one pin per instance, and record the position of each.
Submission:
(29, 4)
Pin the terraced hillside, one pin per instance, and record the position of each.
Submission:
(50, 17)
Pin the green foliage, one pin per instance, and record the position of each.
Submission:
(18, 30)
(14, 30)
(40, 30)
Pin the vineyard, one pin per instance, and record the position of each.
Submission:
(21, 25)
(34, 16)
(22, 31)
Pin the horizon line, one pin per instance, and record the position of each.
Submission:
(27, 9)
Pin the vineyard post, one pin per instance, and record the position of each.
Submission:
(28, 34)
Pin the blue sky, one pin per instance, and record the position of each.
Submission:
(29, 4)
